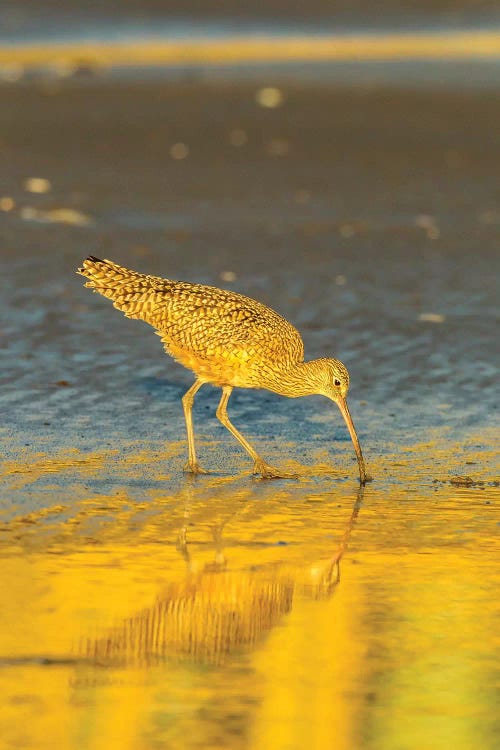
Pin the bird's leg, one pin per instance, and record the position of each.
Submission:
(187, 404)
(260, 466)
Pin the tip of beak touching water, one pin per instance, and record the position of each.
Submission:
(341, 402)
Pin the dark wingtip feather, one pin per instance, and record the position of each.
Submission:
(90, 258)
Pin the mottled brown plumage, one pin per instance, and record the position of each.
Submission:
(226, 339)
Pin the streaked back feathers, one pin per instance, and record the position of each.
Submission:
(223, 336)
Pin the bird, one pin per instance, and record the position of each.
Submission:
(228, 340)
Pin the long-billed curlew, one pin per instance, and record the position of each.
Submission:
(227, 340)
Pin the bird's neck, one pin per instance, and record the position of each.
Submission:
(301, 379)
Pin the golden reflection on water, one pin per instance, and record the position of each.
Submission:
(62, 56)
(216, 617)
(209, 614)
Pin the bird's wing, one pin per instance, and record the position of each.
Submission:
(213, 323)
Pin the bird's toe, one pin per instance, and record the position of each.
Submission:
(194, 468)
(271, 472)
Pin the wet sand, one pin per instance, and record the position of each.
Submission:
(371, 219)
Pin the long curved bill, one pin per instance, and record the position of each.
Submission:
(342, 404)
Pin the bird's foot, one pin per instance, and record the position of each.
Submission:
(270, 472)
(364, 480)
(194, 468)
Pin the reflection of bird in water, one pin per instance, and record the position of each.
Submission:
(226, 339)
(203, 619)
(213, 612)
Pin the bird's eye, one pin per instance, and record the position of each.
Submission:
(337, 381)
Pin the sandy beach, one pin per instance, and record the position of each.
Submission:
(368, 218)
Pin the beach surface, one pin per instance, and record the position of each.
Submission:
(369, 216)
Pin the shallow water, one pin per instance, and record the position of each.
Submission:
(246, 614)
(143, 609)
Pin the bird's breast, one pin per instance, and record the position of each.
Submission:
(218, 365)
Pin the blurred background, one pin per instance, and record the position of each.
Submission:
(279, 11)
(338, 161)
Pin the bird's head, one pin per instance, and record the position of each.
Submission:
(331, 379)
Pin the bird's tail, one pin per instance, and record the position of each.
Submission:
(130, 291)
